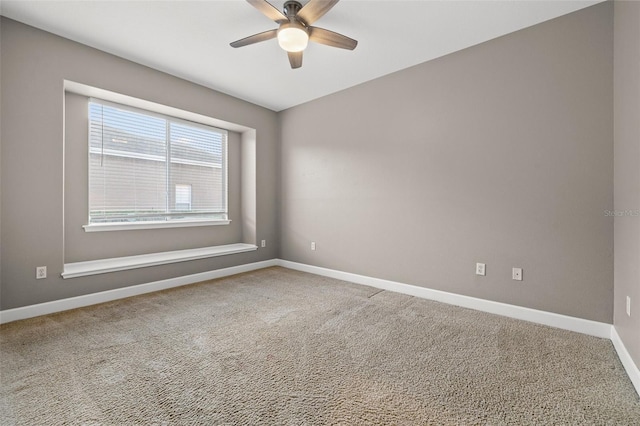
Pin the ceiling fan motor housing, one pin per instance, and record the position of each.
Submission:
(291, 8)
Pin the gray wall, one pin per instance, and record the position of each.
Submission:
(501, 153)
(34, 65)
(627, 172)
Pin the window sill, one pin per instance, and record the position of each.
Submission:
(99, 227)
(103, 266)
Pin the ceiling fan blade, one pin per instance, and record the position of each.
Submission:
(256, 38)
(322, 36)
(295, 59)
(269, 10)
(315, 10)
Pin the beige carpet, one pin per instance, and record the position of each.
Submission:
(282, 347)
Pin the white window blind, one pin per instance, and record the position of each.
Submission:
(147, 167)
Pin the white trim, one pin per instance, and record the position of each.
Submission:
(31, 311)
(630, 367)
(129, 226)
(592, 328)
(102, 266)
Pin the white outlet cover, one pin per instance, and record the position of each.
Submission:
(41, 272)
(628, 306)
(481, 269)
(517, 274)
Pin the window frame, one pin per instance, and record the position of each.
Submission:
(166, 223)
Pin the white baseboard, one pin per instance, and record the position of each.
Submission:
(565, 322)
(592, 328)
(31, 311)
(631, 368)
(579, 325)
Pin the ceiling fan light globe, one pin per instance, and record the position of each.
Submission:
(293, 39)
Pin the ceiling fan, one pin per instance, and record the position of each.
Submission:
(295, 29)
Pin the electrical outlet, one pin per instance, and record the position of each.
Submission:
(628, 306)
(313, 245)
(481, 269)
(41, 272)
(263, 243)
(516, 274)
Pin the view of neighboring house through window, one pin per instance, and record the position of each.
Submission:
(183, 197)
(147, 167)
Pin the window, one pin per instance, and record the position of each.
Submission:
(148, 168)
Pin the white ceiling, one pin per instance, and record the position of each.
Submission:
(190, 39)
